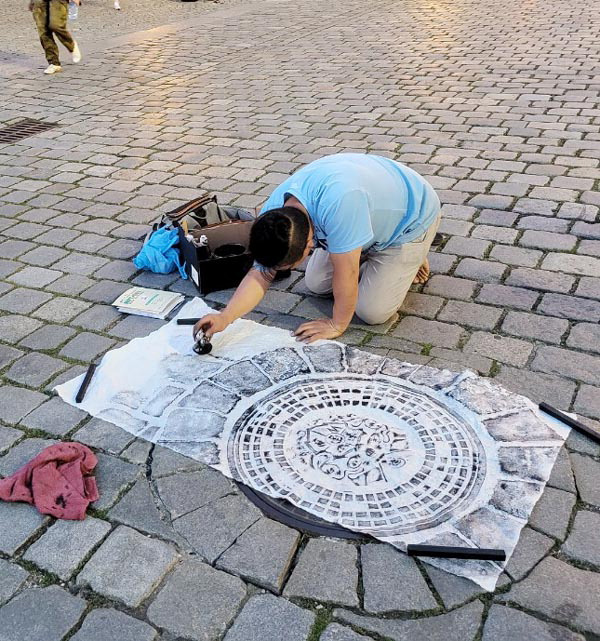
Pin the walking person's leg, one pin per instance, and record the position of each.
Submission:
(387, 276)
(59, 11)
(41, 17)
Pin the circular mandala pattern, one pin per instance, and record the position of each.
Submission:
(373, 454)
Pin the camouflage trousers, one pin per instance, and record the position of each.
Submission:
(51, 20)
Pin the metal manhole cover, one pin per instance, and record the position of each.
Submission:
(24, 128)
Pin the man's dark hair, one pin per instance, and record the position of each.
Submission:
(279, 236)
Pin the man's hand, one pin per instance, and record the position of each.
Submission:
(318, 329)
(210, 324)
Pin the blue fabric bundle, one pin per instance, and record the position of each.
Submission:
(158, 254)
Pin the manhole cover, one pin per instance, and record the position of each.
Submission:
(23, 129)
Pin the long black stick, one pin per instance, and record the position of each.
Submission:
(571, 422)
(450, 552)
(86, 383)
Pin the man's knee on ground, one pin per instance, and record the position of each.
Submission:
(317, 285)
(372, 316)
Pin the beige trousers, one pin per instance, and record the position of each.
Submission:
(385, 276)
(52, 24)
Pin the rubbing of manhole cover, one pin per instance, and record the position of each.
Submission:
(24, 128)
(367, 453)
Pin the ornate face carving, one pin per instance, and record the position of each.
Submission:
(353, 447)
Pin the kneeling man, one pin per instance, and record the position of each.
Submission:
(370, 221)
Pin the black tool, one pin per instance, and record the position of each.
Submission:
(450, 552)
(203, 344)
(571, 422)
(85, 383)
(187, 321)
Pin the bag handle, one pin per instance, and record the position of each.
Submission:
(187, 208)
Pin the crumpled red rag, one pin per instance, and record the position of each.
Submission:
(57, 481)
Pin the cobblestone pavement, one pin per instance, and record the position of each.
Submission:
(497, 104)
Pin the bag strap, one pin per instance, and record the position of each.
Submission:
(187, 208)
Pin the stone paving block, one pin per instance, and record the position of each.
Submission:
(494, 233)
(562, 473)
(473, 247)
(564, 362)
(47, 337)
(480, 270)
(262, 554)
(392, 581)
(117, 270)
(499, 348)
(16, 403)
(547, 240)
(423, 305)
(450, 287)
(587, 401)
(103, 435)
(453, 590)
(8, 355)
(35, 369)
(540, 279)
(63, 547)
(8, 437)
(531, 549)
(106, 624)
(569, 306)
(86, 346)
(269, 618)
(516, 255)
(571, 264)
(508, 623)
(72, 372)
(12, 577)
(428, 331)
(543, 223)
(70, 285)
(97, 317)
(81, 264)
(336, 632)
(43, 256)
(582, 542)
(61, 309)
(459, 625)
(128, 566)
(589, 287)
(22, 454)
(23, 301)
(585, 336)
(8, 267)
(138, 509)
(35, 277)
(137, 452)
(136, 326)
(457, 361)
(18, 523)
(105, 291)
(549, 330)
(40, 614)
(165, 462)
(552, 512)
(54, 417)
(13, 328)
(214, 527)
(113, 475)
(586, 472)
(535, 206)
(441, 263)
(470, 314)
(197, 602)
(561, 592)
(326, 571)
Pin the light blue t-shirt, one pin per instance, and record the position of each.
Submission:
(360, 201)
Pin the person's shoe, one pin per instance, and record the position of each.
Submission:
(117, 5)
(76, 54)
(52, 69)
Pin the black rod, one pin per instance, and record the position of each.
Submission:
(86, 383)
(450, 552)
(571, 422)
(187, 321)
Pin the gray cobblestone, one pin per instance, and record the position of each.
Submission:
(575, 365)
(572, 264)
(549, 330)
(509, 623)
(12, 577)
(60, 309)
(47, 337)
(552, 512)
(516, 255)
(34, 369)
(480, 270)
(538, 387)
(86, 346)
(105, 291)
(97, 317)
(16, 403)
(65, 545)
(470, 314)
(23, 301)
(473, 247)
(197, 602)
(540, 279)
(103, 624)
(427, 331)
(570, 307)
(103, 435)
(450, 287)
(586, 474)
(128, 566)
(506, 350)
(113, 476)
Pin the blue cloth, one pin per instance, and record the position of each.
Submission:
(158, 254)
(360, 200)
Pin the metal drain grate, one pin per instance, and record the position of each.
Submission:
(23, 129)
(288, 514)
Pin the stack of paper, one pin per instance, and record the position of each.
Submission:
(147, 302)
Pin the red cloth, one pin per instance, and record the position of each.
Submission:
(56, 481)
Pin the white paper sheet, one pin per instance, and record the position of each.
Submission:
(405, 453)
